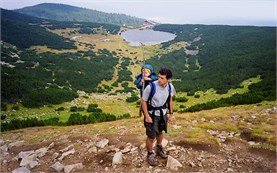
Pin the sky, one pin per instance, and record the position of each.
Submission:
(225, 12)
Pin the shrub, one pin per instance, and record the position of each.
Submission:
(115, 84)
(15, 107)
(3, 116)
(76, 109)
(181, 99)
(196, 96)
(4, 106)
(60, 109)
(93, 108)
(75, 119)
(133, 98)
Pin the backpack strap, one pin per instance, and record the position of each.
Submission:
(152, 92)
(168, 98)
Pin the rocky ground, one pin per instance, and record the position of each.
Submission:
(127, 153)
(119, 146)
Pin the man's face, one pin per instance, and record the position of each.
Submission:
(162, 80)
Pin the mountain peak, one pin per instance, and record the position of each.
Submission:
(63, 12)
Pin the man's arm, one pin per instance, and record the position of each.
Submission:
(170, 117)
(148, 119)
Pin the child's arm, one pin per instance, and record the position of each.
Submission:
(154, 77)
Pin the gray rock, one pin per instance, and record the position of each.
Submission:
(127, 148)
(102, 143)
(4, 148)
(134, 149)
(110, 148)
(67, 148)
(69, 168)
(41, 152)
(230, 170)
(51, 145)
(57, 166)
(92, 150)
(117, 158)
(173, 164)
(191, 164)
(23, 154)
(157, 170)
(21, 170)
(142, 146)
(173, 148)
(16, 144)
(29, 161)
(54, 156)
(72, 151)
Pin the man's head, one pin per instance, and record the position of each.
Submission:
(166, 72)
(164, 75)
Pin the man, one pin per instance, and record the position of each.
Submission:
(156, 102)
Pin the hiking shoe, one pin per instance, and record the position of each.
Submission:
(152, 160)
(160, 152)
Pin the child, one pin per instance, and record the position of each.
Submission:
(142, 80)
(147, 75)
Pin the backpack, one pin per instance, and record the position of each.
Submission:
(153, 76)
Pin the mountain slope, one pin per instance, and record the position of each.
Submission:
(24, 31)
(227, 55)
(209, 141)
(62, 12)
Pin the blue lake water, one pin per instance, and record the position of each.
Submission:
(148, 37)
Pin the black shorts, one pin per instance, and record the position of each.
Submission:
(154, 129)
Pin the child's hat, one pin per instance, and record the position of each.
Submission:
(148, 66)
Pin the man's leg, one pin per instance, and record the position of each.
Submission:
(149, 144)
(160, 138)
(160, 151)
(151, 157)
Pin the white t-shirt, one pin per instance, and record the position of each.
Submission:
(159, 97)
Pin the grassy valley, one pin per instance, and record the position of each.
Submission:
(225, 105)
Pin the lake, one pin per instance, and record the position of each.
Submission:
(147, 37)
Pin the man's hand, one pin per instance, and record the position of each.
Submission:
(148, 119)
(170, 118)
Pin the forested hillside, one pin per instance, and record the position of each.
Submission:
(30, 76)
(227, 56)
(25, 31)
(61, 12)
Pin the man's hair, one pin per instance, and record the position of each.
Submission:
(167, 72)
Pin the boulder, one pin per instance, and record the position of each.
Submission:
(57, 166)
(69, 168)
(102, 143)
(117, 158)
(173, 164)
(21, 170)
